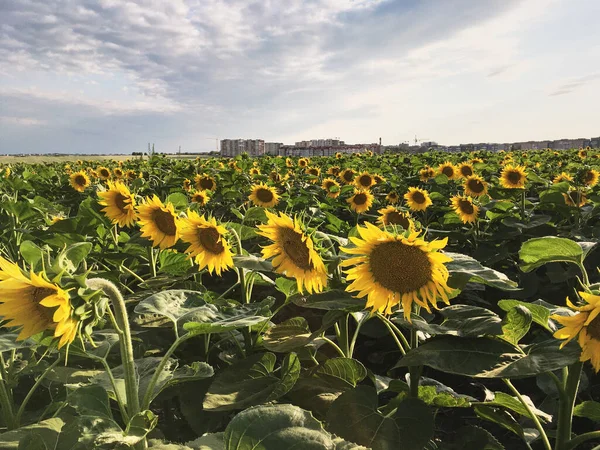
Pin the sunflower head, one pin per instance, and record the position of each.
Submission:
(347, 176)
(465, 170)
(275, 176)
(158, 222)
(263, 195)
(200, 197)
(205, 183)
(332, 187)
(392, 268)
(465, 208)
(378, 179)
(338, 155)
(394, 216)
(426, 173)
(448, 169)
(562, 177)
(118, 172)
(513, 177)
(582, 153)
(476, 160)
(254, 171)
(417, 199)
(187, 185)
(475, 186)
(79, 181)
(361, 201)
(289, 162)
(103, 173)
(333, 170)
(313, 173)
(364, 180)
(590, 177)
(392, 198)
(293, 252)
(119, 204)
(575, 198)
(303, 162)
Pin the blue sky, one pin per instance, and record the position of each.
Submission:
(109, 76)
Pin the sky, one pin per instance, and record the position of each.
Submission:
(110, 76)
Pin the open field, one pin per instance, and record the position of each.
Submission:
(360, 301)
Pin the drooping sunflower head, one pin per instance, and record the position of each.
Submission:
(475, 186)
(392, 268)
(103, 173)
(426, 173)
(79, 181)
(562, 177)
(200, 197)
(205, 183)
(293, 252)
(332, 187)
(465, 170)
(513, 177)
(448, 169)
(303, 162)
(263, 195)
(392, 198)
(465, 208)
(208, 242)
(417, 199)
(364, 180)
(590, 177)
(394, 216)
(33, 304)
(119, 204)
(158, 222)
(130, 174)
(361, 201)
(333, 170)
(575, 198)
(347, 176)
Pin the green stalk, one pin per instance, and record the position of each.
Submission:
(33, 389)
(334, 345)
(523, 204)
(152, 261)
(565, 407)
(7, 407)
(393, 333)
(415, 371)
(583, 438)
(342, 331)
(535, 418)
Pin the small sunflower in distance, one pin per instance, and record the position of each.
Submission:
(448, 169)
(119, 204)
(338, 155)
(361, 201)
(332, 187)
(465, 208)
(378, 179)
(582, 153)
(34, 305)
(393, 216)
(392, 198)
(562, 177)
(476, 160)
(364, 180)
(303, 162)
(465, 170)
(347, 176)
(118, 172)
(208, 243)
(417, 199)
(289, 162)
(585, 326)
(575, 198)
(187, 185)
(334, 171)
(391, 268)
(254, 171)
(590, 177)
(103, 173)
(314, 171)
(426, 173)
(205, 183)
(293, 252)
(263, 195)
(513, 177)
(200, 197)
(79, 181)
(475, 186)
(158, 222)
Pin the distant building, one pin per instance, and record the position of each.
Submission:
(272, 148)
(234, 147)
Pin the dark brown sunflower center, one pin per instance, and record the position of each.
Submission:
(348, 175)
(118, 172)
(448, 171)
(302, 163)
(329, 185)
(206, 183)
(418, 197)
(399, 267)
(395, 218)
(589, 176)
(121, 201)
(513, 177)
(466, 206)
(334, 170)
(476, 186)
(275, 176)
(466, 171)
(210, 239)
(38, 294)
(360, 199)
(104, 173)
(593, 329)
(314, 172)
(80, 180)
(365, 180)
(165, 222)
(392, 196)
(295, 248)
(264, 195)
(198, 198)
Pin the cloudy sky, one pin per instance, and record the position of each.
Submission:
(109, 76)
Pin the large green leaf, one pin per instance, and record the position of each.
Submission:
(73, 255)
(48, 431)
(287, 336)
(539, 251)
(90, 400)
(251, 381)
(330, 300)
(8, 341)
(463, 269)
(472, 437)
(252, 262)
(514, 404)
(218, 319)
(171, 304)
(588, 409)
(343, 373)
(516, 324)
(539, 313)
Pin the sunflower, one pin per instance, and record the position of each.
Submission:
(117, 172)
(187, 185)
(158, 222)
(34, 305)
(333, 170)
(347, 176)
(332, 187)
(263, 195)
(585, 325)
(393, 216)
(303, 162)
(313, 173)
(426, 173)
(562, 177)
(575, 198)
(390, 268)
(475, 186)
(590, 177)
(392, 198)
(513, 177)
(448, 169)
(289, 162)
(119, 204)
(130, 174)
(293, 252)
(417, 199)
(364, 180)
(275, 176)
(476, 160)
(255, 171)
(200, 197)
(464, 207)
(79, 181)
(582, 153)
(338, 155)
(205, 182)
(378, 179)
(103, 173)
(208, 243)
(465, 170)
(361, 201)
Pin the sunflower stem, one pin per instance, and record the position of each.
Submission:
(534, 417)
(415, 371)
(7, 406)
(523, 204)
(583, 438)
(565, 407)
(343, 338)
(152, 261)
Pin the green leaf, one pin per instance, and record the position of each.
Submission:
(219, 319)
(178, 200)
(173, 263)
(342, 373)
(472, 437)
(286, 286)
(31, 253)
(539, 251)
(252, 262)
(255, 214)
(330, 300)
(71, 257)
(506, 401)
(171, 304)
(8, 341)
(588, 409)
(90, 400)
(287, 336)
(539, 314)
(500, 417)
(516, 324)
(251, 381)
(48, 431)
(463, 269)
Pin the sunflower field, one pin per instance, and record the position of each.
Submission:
(385, 302)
